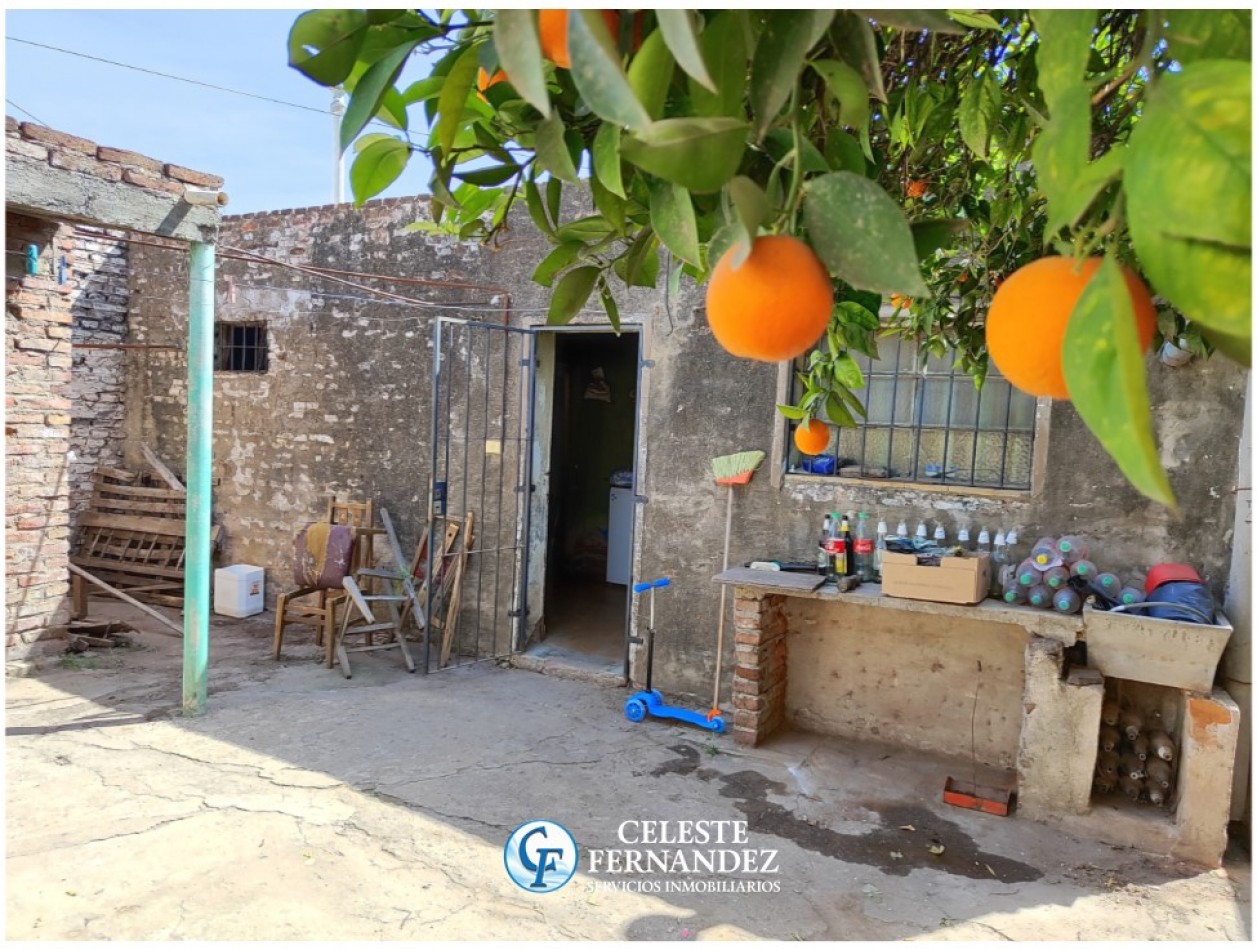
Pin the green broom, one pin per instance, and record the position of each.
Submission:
(730, 470)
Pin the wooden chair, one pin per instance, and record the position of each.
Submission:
(320, 611)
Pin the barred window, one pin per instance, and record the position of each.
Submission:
(240, 347)
(929, 425)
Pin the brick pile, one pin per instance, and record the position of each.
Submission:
(759, 674)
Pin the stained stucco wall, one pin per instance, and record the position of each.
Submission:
(344, 408)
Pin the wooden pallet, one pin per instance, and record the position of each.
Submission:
(133, 537)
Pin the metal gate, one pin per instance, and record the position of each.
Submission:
(483, 390)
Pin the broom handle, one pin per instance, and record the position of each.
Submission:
(720, 627)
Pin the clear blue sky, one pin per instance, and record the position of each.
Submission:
(272, 156)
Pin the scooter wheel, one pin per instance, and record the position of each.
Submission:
(634, 710)
(718, 725)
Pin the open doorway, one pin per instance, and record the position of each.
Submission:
(589, 494)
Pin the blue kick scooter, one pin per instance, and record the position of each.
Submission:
(651, 700)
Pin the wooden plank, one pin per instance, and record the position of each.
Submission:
(163, 526)
(160, 468)
(120, 474)
(141, 570)
(174, 510)
(776, 580)
(455, 600)
(139, 491)
(124, 597)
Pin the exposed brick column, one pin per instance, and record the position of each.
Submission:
(37, 437)
(759, 675)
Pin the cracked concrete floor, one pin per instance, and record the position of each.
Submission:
(306, 806)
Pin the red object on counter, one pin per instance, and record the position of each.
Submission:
(1163, 573)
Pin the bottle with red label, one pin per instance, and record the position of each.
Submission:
(863, 548)
(848, 547)
(836, 547)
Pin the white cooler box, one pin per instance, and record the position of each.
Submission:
(239, 590)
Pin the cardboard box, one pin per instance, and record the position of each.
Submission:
(955, 580)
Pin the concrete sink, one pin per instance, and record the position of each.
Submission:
(1151, 650)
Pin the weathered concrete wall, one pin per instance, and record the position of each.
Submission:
(881, 675)
(98, 267)
(345, 409)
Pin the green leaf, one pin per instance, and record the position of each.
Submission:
(1237, 348)
(597, 72)
(393, 110)
(783, 45)
(723, 46)
(458, 85)
(938, 235)
(750, 203)
(589, 228)
(726, 238)
(554, 199)
(376, 167)
(515, 37)
(855, 43)
(537, 208)
(677, 27)
(423, 89)
(559, 258)
(486, 177)
(979, 111)
(324, 44)
(672, 218)
(848, 88)
(610, 205)
(639, 266)
(370, 89)
(843, 153)
(792, 412)
(914, 21)
(837, 412)
(979, 21)
(650, 74)
(552, 153)
(1061, 151)
(571, 295)
(847, 371)
(609, 305)
(861, 234)
(1209, 34)
(698, 154)
(1188, 188)
(1104, 373)
(606, 155)
(779, 143)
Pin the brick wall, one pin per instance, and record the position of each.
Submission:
(97, 268)
(38, 317)
(64, 409)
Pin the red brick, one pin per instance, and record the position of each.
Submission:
(193, 177)
(152, 183)
(39, 133)
(747, 636)
(74, 162)
(747, 672)
(123, 157)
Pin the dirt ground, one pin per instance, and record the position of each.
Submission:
(304, 806)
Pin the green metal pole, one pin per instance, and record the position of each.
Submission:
(196, 591)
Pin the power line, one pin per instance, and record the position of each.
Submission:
(194, 82)
(25, 113)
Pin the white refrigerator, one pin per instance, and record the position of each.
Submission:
(620, 536)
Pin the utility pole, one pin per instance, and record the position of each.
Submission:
(338, 156)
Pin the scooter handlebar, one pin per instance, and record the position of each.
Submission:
(647, 585)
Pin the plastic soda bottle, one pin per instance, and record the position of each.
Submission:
(863, 548)
(999, 557)
(921, 530)
(1045, 554)
(1073, 548)
(1083, 568)
(1056, 577)
(1109, 583)
(1027, 574)
(1010, 544)
(962, 538)
(1040, 595)
(1014, 594)
(940, 534)
(1067, 601)
(1130, 595)
(879, 549)
(984, 542)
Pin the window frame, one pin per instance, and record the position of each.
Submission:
(222, 347)
(780, 475)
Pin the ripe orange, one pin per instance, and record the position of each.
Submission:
(484, 80)
(552, 28)
(900, 303)
(915, 189)
(811, 437)
(775, 305)
(1025, 325)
